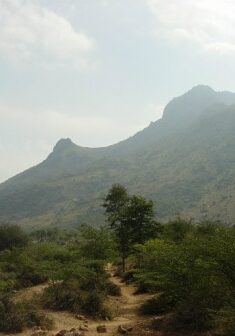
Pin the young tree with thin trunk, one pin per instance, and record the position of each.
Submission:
(131, 218)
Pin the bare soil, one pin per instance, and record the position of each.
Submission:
(125, 309)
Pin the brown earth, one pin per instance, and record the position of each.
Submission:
(125, 309)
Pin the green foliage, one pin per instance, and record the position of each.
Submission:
(225, 322)
(11, 317)
(185, 162)
(34, 318)
(157, 305)
(131, 218)
(83, 291)
(11, 236)
(74, 267)
(188, 267)
(193, 273)
(55, 234)
(177, 229)
(14, 317)
(113, 202)
(138, 215)
(93, 304)
(96, 243)
(128, 276)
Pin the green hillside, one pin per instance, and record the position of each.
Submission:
(185, 162)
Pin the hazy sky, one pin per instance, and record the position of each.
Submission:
(97, 71)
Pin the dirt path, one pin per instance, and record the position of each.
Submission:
(126, 308)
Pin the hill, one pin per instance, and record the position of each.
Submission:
(185, 162)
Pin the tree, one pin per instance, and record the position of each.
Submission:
(12, 236)
(131, 218)
(177, 229)
(113, 202)
(195, 277)
(139, 213)
(96, 243)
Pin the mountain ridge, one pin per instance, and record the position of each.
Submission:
(177, 161)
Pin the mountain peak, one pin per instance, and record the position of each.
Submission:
(185, 109)
(202, 88)
(63, 144)
(200, 92)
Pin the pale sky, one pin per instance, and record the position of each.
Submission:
(98, 71)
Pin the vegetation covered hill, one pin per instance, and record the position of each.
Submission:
(185, 162)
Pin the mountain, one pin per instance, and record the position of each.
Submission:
(184, 161)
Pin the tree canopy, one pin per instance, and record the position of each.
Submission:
(11, 236)
(131, 217)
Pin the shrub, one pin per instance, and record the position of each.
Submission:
(62, 296)
(157, 305)
(189, 319)
(12, 236)
(33, 318)
(15, 316)
(195, 275)
(128, 276)
(177, 229)
(93, 304)
(30, 277)
(225, 322)
(113, 289)
(11, 316)
(69, 295)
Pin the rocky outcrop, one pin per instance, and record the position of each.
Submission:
(124, 329)
(101, 329)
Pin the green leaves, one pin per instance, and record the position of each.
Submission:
(131, 217)
(11, 236)
(196, 273)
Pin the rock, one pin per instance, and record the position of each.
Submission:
(39, 333)
(62, 333)
(80, 317)
(76, 332)
(122, 330)
(101, 329)
(83, 328)
(36, 328)
(129, 328)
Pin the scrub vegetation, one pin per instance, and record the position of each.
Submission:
(187, 268)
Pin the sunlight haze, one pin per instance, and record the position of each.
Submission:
(99, 71)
